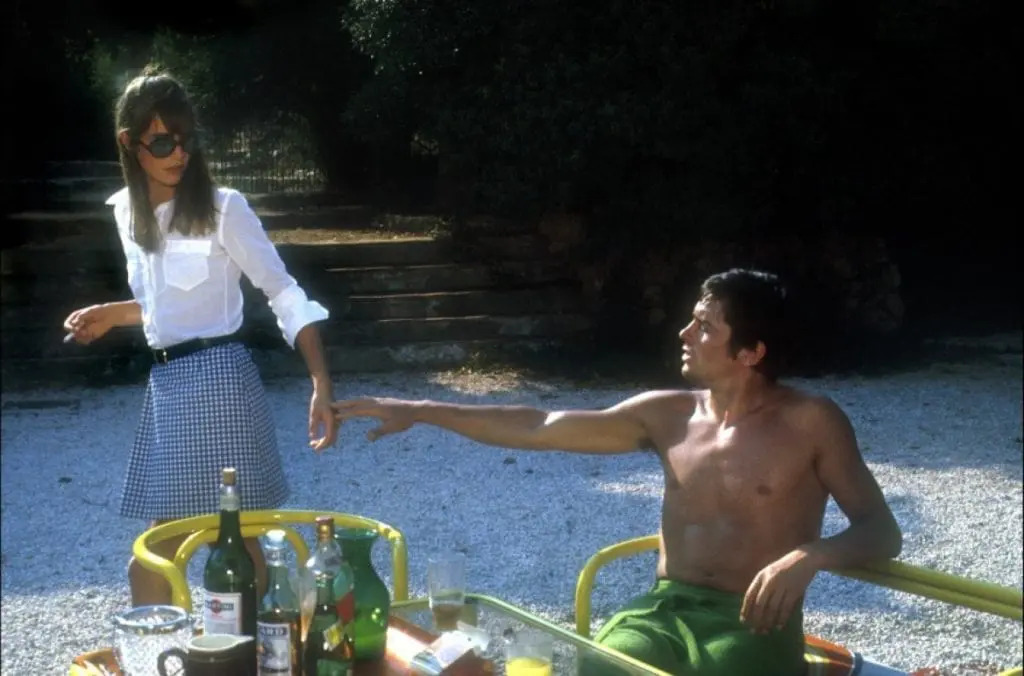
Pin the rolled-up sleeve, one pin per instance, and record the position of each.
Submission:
(242, 235)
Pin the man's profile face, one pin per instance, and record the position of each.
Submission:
(705, 343)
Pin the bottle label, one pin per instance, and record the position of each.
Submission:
(333, 636)
(222, 613)
(275, 648)
(346, 607)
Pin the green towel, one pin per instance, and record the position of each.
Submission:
(686, 629)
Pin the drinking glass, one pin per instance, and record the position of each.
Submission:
(143, 632)
(446, 588)
(528, 653)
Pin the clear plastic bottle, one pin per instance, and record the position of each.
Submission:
(330, 645)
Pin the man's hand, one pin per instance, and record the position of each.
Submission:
(90, 323)
(395, 415)
(321, 419)
(776, 591)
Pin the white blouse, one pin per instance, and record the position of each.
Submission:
(190, 288)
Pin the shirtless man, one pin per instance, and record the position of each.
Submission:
(749, 465)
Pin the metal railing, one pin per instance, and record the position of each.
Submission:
(270, 158)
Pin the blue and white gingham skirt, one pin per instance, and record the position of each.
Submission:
(203, 412)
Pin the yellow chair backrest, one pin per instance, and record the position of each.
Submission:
(983, 596)
(204, 529)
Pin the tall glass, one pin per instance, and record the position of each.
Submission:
(446, 588)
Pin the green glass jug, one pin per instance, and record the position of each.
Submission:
(372, 598)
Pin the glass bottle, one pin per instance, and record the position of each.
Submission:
(229, 576)
(280, 645)
(372, 598)
(330, 648)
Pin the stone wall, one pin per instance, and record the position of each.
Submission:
(846, 287)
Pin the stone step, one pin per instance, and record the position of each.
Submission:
(104, 253)
(43, 336)
(465, 303)
(523, 245)
(82, 169)
(445, 276)
(418, 251)
(336, 226)
(44, 260)
(47, 342)
(327, 218)
(21, 294)
(72, 193)
(97, 367)
(405, 357)
(109, 282)
(87, 218)
(36, 228)
(32, 262)
(462, 303)
(297, 200)
(450, 305)
(430, 329)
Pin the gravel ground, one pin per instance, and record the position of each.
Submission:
(944, 442)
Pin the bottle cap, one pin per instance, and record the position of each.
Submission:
(275, 538)
(228, 475)
(324, 526)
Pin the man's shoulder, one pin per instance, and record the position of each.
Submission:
(807, 410)
(659, 402)
(671, 396)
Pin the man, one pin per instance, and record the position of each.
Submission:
(749, 465)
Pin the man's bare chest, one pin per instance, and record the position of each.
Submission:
(758, 460)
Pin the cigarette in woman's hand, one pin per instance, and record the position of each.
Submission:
(69, 337)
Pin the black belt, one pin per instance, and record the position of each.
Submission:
(164, 355)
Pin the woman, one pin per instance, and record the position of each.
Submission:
(186, 243)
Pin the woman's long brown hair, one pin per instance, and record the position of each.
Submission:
(147, 96)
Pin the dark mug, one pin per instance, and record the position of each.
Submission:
(213, 655)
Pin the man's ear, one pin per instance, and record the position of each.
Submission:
(753, 357)
(125, 141)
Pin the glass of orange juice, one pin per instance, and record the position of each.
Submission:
(528, 653)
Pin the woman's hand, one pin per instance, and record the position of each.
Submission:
(323, 426)
(91, 323)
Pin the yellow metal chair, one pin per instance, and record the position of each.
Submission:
(822, 656)
(204, 529)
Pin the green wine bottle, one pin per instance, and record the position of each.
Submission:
(229, 577)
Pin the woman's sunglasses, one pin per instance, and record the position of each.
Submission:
(163, 145)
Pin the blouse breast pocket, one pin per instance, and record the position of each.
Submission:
(187, 262)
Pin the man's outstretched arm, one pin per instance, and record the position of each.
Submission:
(618, 429)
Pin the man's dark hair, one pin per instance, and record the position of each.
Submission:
(754, 307)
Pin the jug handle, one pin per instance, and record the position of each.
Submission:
(163, 659)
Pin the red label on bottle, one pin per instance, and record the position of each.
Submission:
(346, 607)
